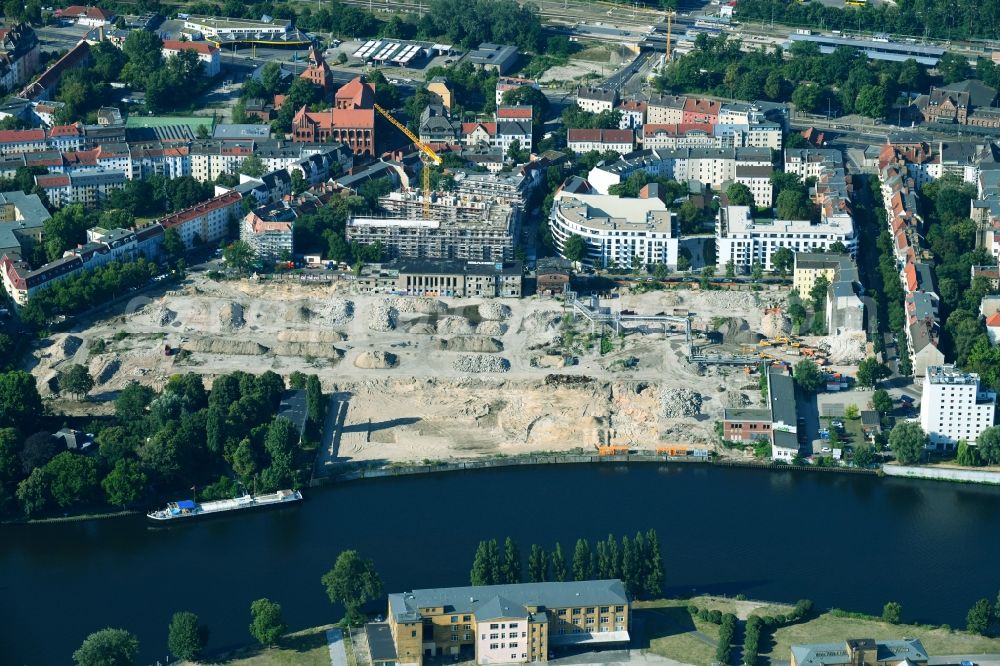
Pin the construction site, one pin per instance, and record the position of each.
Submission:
(417, 378)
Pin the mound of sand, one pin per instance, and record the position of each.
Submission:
(736, 330)
(418, 305)
(225, 346)
(315, 349)
(775, 325)
(453, 326)
(491, 328)
(548, 361)
(103, 370)
(167, 316)
(231, 315)
(472, 343)
(376, 360)
(382, 316)
(310, 336)
(70, 345)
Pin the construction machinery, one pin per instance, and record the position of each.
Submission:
(429, 156)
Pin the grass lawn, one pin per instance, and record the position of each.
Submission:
(305, 648)
(665, 627)
(594, 54)
(829, 629)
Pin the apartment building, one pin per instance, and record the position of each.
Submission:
(845, 311)
(810, 162)
(679, 135)
(89, 186)
(22, 220)
(507, 83)
(207, 222)
(208, 54)
(665, 109)
(103, 246)
(616, 229)
(713, 167)
(238, 30)
(506, 623)
(633, 113)
(758, 180)
(595, 100)
(475, 228)
(743, 240)
(602, 140)
(19, 55)
(268, 230)
(443, 277)
(22, 141)
(954, 406)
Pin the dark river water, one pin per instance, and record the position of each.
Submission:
(845, 541)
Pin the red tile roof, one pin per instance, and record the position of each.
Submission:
(706, 106)
(22, 136)
(469, 128)
(89, 12)
(601, 135)
(675, 129)
(65, 130)
(203, 48)
(993, 320)
(514, 112)
(52, 180)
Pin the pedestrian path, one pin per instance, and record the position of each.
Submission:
(338, 652)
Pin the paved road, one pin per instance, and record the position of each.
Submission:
(338, 652)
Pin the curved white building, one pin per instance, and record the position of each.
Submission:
(616, 229)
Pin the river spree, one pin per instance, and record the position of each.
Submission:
(846, 541)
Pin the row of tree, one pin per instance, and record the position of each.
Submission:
(638, 562)
(352, 582)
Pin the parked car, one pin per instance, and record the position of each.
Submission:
(826, 449)
(837, 424)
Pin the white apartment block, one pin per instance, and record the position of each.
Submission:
(954, 407)
(742, 239)
(208, 54)
(601, 140)
(710, 166)
(89, 186)
(758, 179)
(811, 162)
(665, 110)
(596, 100)
(236, 30)
(616, 229)
(207, 222)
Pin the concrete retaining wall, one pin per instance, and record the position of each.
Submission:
(941, 474)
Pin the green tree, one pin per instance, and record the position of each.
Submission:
(315, 406)
(989, 445)
(132, 401)
(76, 380)
(559, 572)
(107, 647)
(793, 205)
(730, 269)
(511, 568)
(353, 582)
(967, 456)
(979, 617)
(486, 567)
(20, 404)
(186, 638)
(892, 612)
(33, 492)
(864, 455)
(574, 248)
(252, 166)
(740, 195)
(125, 484)
(808, 376)
(266, 623)
(756, 270)
(881, 401)
(782, 260)
(707, 273)
(239, 255)
(72, 478)
(583, 565)
(172, 245)
(908, 441)
(653, 583)
(538, 564)
(872, 101)
(871, 371)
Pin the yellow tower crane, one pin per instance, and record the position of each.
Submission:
(429, 154)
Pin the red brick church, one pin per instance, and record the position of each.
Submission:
(350, 121)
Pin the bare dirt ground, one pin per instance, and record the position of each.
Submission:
(432, 378)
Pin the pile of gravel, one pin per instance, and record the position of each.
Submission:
(738, 400)
(341, 311)
(382, 317)
(481, 363)
(493, 311)
(419, 305)
(680, 402)
(167, 316)
(491, 328)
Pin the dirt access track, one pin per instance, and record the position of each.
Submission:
(428, 378)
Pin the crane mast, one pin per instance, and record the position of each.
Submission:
(428, 156)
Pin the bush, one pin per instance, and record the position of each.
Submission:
(692, 610)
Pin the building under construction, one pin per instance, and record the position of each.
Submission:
(458, 226)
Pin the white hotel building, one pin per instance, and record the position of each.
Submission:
(953, 407)
(742, 239)
(616, 229)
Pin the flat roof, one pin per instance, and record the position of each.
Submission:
(380, 642)
(781, 395)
